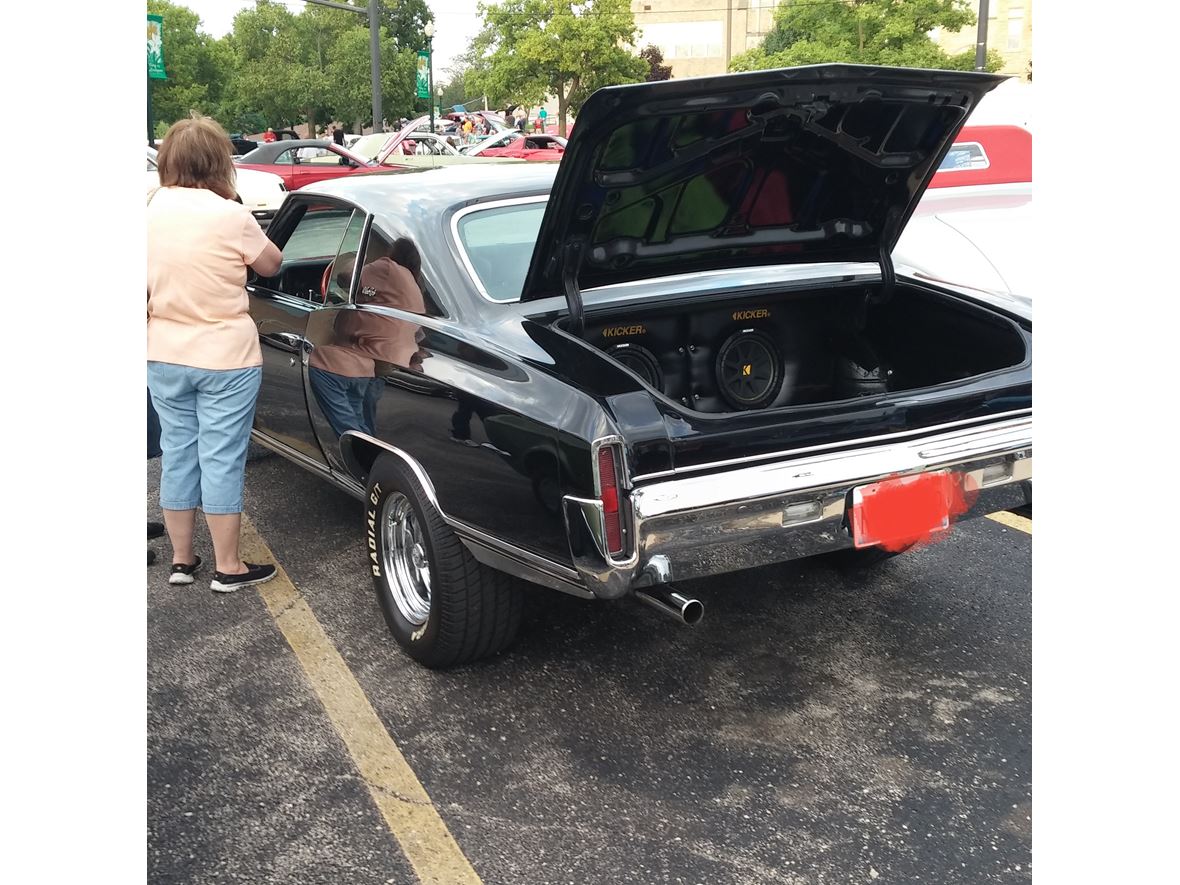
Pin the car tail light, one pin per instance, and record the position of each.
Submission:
(608, 481)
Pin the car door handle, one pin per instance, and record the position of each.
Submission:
(291, 339)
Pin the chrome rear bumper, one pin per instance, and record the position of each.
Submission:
(733, 519)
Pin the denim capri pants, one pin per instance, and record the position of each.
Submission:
(205, 421)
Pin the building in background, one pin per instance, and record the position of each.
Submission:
(699, 37)
(1009, 32)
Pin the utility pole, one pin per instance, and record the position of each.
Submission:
(374, 49)
(981, 38)
(375, 52)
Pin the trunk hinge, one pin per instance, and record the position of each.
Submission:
(571, 261)
(888, 277)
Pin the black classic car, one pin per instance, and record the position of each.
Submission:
(683, 351)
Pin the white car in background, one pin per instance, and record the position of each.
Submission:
(980, 236)
(261, 192)
(974, 224)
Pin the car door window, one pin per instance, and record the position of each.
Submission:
(322, 232)
(286, 158)
(340, 277)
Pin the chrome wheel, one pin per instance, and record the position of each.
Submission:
(406, 562)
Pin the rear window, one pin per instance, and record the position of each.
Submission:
(497, 245)
(963, 156)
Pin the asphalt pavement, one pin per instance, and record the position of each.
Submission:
(818, 726)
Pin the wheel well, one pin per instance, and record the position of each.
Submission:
(359, 456)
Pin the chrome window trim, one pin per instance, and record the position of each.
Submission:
(362, 248)
(480, 207)
(806, 450)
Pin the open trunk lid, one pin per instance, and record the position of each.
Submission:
(822, 163)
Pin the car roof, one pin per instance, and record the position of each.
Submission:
(433, 190)
(267, 151)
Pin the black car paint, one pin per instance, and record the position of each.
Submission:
(535, 398)
(483, 423)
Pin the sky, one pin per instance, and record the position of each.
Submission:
(456, 23)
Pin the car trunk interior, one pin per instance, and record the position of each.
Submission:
(796, 348)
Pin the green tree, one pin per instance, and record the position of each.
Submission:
(404, 20)
(350, 89)
(539, 48)
(880, 32)
(196, 80)
(269, 70)
(453, 93)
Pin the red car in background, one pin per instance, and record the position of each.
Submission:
(521, 145)
(986, 155)
(304, 161)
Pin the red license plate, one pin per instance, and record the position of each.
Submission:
(898, 513)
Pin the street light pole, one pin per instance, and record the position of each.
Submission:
(429, 32)
(981, 38)
(375, 51)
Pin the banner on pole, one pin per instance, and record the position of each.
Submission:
(423, 74)
(155, 47)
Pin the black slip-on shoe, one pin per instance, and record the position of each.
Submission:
(183, 574)
(254, 574)
(155, 530)
(151, 556)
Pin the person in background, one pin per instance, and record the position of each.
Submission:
(338, 135)
(269, 135)
(204, 362)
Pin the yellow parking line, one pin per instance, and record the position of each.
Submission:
(1020, 523)
(401, 798)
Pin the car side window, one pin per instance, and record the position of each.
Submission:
(340, 276)
(322, 233)
(286, 158)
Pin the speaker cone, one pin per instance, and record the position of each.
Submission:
(749, 370)
(641, 361)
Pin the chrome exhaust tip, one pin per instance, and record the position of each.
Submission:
(675, 605)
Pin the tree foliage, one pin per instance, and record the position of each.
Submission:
(880, 32)
(405, 21)
(655, 60)
(277, 68)
(196, 73)
(531, 49)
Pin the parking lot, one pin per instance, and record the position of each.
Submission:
(819, 725)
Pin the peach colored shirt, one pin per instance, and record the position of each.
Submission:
(198, 248)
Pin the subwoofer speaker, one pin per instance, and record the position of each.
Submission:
(749, 369)
(641, 361)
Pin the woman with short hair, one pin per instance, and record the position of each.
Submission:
(204, 362)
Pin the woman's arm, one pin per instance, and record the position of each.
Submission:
(268, 262)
